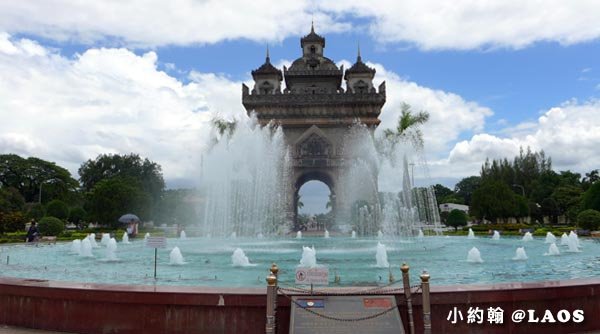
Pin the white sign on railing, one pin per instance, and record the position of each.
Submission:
(318, 276)
(156, 242)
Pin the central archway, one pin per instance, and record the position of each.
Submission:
(321, 176)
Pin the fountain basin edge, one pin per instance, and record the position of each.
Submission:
(106, 308)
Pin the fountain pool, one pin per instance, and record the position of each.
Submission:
(208, 262)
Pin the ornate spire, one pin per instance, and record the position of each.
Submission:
(358, 57)
(268, 59)
(267, 68)
(359, 66)
(312, 37)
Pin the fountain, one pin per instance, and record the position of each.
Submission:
(420, 235)
(527, 236)
(381, 256)
(182, 235)
(92, 239)
(105, 239)
(125, 238)
(146, 236)
(299, 235)
(564, 240)
(379, 234)
(175, 257)
(573, 236)
(474, 256)
(496, 235)
(520, 254)
(550, 238)
(86, 248)
(76, 246)
(309, 257)
(573, 243)
(233, 235)
(353, 234)
(553, 250)
(111, 248)
(239, 259)
(471, 234)
(326, 234)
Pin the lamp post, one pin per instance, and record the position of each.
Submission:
(40, 194)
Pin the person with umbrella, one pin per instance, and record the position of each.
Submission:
(132, 224)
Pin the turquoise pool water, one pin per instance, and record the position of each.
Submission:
(208, 261)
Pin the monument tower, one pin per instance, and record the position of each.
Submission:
(315, 112)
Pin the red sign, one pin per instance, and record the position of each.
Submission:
(377, 303)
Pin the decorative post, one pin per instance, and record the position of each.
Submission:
(271, 327)
(406, 281)
(426, 303)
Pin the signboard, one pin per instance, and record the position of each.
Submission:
(317, 276)
(345, 307)
(156, 242)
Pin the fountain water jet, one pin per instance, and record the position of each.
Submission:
(146, 236)
(175, 257)
(496, 235)
(420, 235)
(381, 256)
(105, 239)
(309, 257)
(353, 234)
(553, 250)
(573, 243)
(239, 259)
(92, 238)
(86, 248)
(564, 240)
(125, 238)
(111, 248)
(182, 235)
(471, 234)
(76, 246)
(550, 238)
(474, 256)
(379, 234)
(299, 235)
(520, 254)
(527, 236)
(326, 234)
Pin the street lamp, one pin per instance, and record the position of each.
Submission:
(40, 194)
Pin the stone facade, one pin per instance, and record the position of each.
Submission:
(315, 112)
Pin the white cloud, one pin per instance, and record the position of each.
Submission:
(428, 24)
(569, 134)
(153, 23)
(473, 24)
(103, 101)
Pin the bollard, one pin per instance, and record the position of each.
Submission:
(271, 327)
(406, 281)
(426, 302)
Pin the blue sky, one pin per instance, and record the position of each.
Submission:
(147, 76)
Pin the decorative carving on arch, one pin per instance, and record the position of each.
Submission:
(314, 143)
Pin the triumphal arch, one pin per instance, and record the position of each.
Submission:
(307, 100)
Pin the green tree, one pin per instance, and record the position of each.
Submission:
(58, 209)
(494, 200)
(111, 198)
(567, 199)
(442, 192)
(34, 211)
(590, 178)
(147, 175)
(51, 226)
(11, 200)
(591, 198)
(77, 215)
(589, 220)
(456, 218)
(466, 187)
(28, 175)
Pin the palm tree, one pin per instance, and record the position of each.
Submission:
(407, 128)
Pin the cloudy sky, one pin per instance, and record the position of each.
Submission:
(82, 78)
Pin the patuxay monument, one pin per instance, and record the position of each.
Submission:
(316, 112)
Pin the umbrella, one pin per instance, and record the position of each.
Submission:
(128, 218)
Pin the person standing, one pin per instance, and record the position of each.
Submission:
(32, 233)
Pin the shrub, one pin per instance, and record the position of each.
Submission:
(35, 211)
(77, 215)
(456, 218)
(58, 209)
(51, 226)
(589, 220)
(12, 222)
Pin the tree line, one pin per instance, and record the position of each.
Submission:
(528, 190)
(108, 186)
